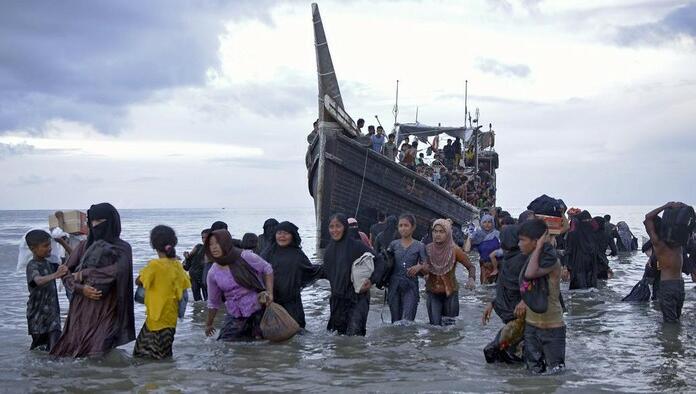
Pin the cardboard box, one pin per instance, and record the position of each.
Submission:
(554, 223)
(74, 222)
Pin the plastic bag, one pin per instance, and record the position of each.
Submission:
(362, 269)
(277, 325)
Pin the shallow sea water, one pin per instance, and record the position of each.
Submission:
(611, 346)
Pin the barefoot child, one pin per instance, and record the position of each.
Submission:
(43, 311)
(165, 282)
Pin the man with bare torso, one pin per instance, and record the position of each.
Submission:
(669, 263)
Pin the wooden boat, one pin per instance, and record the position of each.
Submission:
(346, 176)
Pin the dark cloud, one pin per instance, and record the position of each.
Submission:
(495, 67)
(87, 61)
(677, 24)
(7, 150)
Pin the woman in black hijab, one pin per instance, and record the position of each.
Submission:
(266, 239)
(602, 242)
(99, 320)
(348, 308)
(583, 260)
(390, 233)
(292, 270)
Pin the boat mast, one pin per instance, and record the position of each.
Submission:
(466, 110)
(326, 75)
(396, 105)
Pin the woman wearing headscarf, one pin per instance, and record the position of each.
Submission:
(355, 232)
(583, 260)
(486, 240)
(239, 275)
(440, 267)
(348, 308)
(625, 240)
(292, 270)
(266, 239)
(100, 317)
(602, 242)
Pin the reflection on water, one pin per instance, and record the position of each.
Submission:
(610, 346)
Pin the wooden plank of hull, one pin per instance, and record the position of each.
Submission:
(336, 178)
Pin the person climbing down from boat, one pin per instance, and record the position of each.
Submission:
(100, 316)
(390, 233)
(195, 263)
(544, 333)
(624, 239)
(486, 240)
(390, 150)
(378, 227)
(244, 279)
(348, 307)
(602, 242)
(354, 231)
(409, 258)
(669, 256)
(266, 239)
(583, 258)
(440, 269)
(165, 283)
(292, 270)
(378, 140)
(508, 304)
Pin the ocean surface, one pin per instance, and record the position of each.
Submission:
(611, 346)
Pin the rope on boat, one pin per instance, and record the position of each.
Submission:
(362, 184)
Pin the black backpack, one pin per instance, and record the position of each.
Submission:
(545, 205)
(387, 256)
(677, 225)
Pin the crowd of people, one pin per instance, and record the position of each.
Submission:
(524, 257)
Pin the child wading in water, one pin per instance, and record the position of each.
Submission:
(165, 282)
(544, 333)
(43, 311)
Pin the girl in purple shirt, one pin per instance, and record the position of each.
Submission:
(243, 278)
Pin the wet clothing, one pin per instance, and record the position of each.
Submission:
(156, 345)
(241, 328)
(95, 327)
(43, 309)
(292, 271)
(195, 265)
(387, 235)
(554, 311)
(403, 293)
(442, 308)
(624, 238)
(583, 258)
(348, 309)
(671, 296)
(268, 236)
(240, 301)
(164, 281)
(544, 348)
(602, 242)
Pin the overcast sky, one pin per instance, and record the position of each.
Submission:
(207, 104)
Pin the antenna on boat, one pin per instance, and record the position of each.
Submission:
(466, 98)
(416, 114)
(396, 105)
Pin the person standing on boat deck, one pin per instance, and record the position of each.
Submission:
(348, 308)
(410, 153)
(378, 140)
(457, 147)
(409, 258)
(486, 240)
(390, 150)
(292, 270)
(448, 150)
(235, 280)
(354, 231)
(440, 270)
(360, 124)
(100, 316)
(195, 263)
(378, 227)
(669, 258)
(268, 236)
